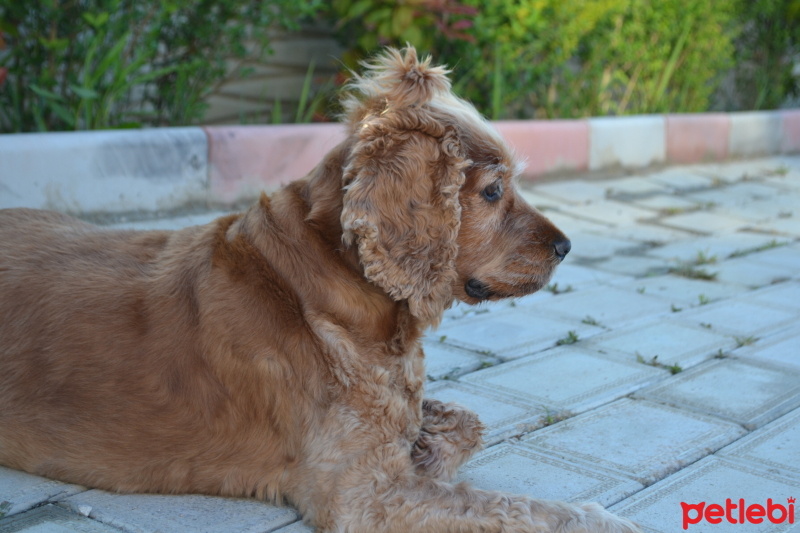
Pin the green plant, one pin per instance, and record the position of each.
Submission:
(77, 64)
(766, 48)
(571, 338)
(690, 271)
(673, 368)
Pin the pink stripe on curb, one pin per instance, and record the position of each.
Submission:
(697, 138)
(791, 131)
(244, 160)
(548, 146)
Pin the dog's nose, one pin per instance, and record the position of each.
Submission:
(562, 248)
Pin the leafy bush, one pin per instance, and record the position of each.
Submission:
(767, 48)
(83, 64)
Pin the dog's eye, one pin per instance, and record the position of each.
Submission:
(493, 192)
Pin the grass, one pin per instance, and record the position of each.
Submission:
(590, 321)
(755, 249)
(703, 299)
(553, 287)
(691, 271)
(571, 338)
(673, 369)
(745, 341)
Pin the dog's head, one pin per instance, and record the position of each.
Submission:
(430, 198)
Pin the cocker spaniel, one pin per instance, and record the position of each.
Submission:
(276, 353)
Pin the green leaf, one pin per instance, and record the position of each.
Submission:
(44, 93)
(84, 92)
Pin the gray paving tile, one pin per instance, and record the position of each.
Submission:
(738, 317)
(786, 226)
(786, 295)
(666, 203)
(151, 513)
(641, 440)
(775, 447)
(502, 414)
(52, 519)
(671, 342)
(681, 179)
(580, 277)
(609, 212)
(297, 527)
(712, 480)
(632, 186)
(593, 246)
(567, 378)
(572, 191)
(685, 292)
(786, 257)
(20, 491)
(638, 267)
(750, 273)
(512, 333)
(718, 247)
(781, 347)
(610, 305)
(750, 393)
(704, 222)
(523, 471)
(443, 360)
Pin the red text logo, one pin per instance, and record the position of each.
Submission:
(738, 512)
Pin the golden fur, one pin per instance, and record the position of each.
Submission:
(276, 353)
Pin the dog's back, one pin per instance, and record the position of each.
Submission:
(82, 361)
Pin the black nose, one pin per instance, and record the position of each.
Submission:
(562, 248)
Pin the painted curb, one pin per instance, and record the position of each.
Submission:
(169, 168)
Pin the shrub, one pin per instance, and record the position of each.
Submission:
(84, 64)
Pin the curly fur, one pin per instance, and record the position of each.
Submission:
(276, 353)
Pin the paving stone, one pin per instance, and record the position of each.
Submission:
(681, 179)
(20, 491)
(733, 171)
(712, 480)
(523, 471)
(751, 393)
(782, 226)
(641, 440)
(638, 267)
(704, 222)
(665, 203)
(719, 247)
(443, 360)
(750, 273)
(609, 305)
(786, 257)
(775, 447)
(151, 513)
(513, 333)
(632, 187)
(567, 378)
(580, 277)
(649, 232)
(52, 519)
(738, 317)
(297, 527)
(685, 292)
(609, 212)
(671, 342)
(781, 347)
(785, 295)
(502, 414)
(572, 191)
(593, 246)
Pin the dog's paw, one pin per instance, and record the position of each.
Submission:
(449, 436)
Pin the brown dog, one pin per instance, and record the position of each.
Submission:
(276, 353)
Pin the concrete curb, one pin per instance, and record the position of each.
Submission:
(169, 168)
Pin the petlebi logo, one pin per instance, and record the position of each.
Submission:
(738, 512)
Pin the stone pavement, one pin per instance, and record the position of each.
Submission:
(661, 366)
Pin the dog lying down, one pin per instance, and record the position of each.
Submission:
(276, 353)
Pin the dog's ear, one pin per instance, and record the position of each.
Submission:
(401, 208)
(401, 183)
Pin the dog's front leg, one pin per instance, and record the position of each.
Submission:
(449, 436)
(380, 492)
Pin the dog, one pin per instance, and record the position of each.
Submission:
(276, 353)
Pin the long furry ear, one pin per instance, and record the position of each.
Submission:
(401, 207)
(397, 78)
